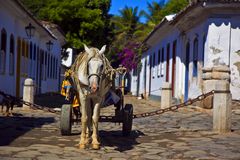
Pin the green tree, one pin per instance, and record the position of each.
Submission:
(83, 21)
(174, 6)
(35, 5)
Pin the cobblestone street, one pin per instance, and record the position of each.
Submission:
(184, 134)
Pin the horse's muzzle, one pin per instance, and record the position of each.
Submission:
(94, 88)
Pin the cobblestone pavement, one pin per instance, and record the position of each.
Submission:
(184, 134)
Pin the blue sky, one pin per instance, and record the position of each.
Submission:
(120, 4)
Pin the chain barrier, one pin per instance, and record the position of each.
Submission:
(31, 105)
(174, 107)
(140, 115)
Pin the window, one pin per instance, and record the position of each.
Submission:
(56, 69)
(11, 56)
(153, 64)
(162, 63)
(45, 65)
(168, 57)
(42, 63)
(34, 61)
(150, 67)
(31, 60)
(34, 52)
(26, 58)
(159, 63)
(195, 57)
(203, 49)
(54, 61)
(22, 58)
(51, 69)
(48, 65)
(3, 51)
(31, 54)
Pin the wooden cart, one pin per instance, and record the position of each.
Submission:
(123, 114)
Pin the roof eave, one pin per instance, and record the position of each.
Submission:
(33, 18)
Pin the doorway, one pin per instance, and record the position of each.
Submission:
(187, 72)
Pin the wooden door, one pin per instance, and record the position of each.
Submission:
(18, 67)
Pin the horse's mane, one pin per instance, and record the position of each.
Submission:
(80, 61)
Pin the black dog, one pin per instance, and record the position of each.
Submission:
(9, 103)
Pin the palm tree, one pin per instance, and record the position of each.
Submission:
(125, 25)
(127, 28)
(154, 14)
(128, 20)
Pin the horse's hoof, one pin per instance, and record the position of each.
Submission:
(82, 146)
(96, 146)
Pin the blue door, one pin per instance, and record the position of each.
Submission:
(186, 72)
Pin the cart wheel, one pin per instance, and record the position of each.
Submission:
(66, 119)
(127, 119)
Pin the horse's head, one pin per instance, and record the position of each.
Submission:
(95, 67)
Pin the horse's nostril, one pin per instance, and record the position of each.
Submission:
(94, 88)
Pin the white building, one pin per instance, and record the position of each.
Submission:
(205, 34)
(21, 56)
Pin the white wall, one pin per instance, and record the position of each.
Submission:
(235, 57)
(11, 22)
(219, 34)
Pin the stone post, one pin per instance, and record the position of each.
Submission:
(28, 92)
(166, 97)
(222, 107)
(210, 77)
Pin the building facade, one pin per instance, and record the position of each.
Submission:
(37, 57)
(205, 34)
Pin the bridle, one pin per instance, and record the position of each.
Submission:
(93, 74)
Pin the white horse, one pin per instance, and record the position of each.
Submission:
(93, 87)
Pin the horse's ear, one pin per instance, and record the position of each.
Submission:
(102, 49)
(86, 49)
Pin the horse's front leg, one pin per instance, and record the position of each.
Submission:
(84, 118)
(95, 119)
(89, 121)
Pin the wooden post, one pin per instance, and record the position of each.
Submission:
(222, 107)
(122, 83)
(122, 80)
(28, 92)
(166, 97)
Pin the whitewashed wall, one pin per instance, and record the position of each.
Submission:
(220, 48)
(223, 48)
(14, 24)
(7, 81)
(235, 57)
